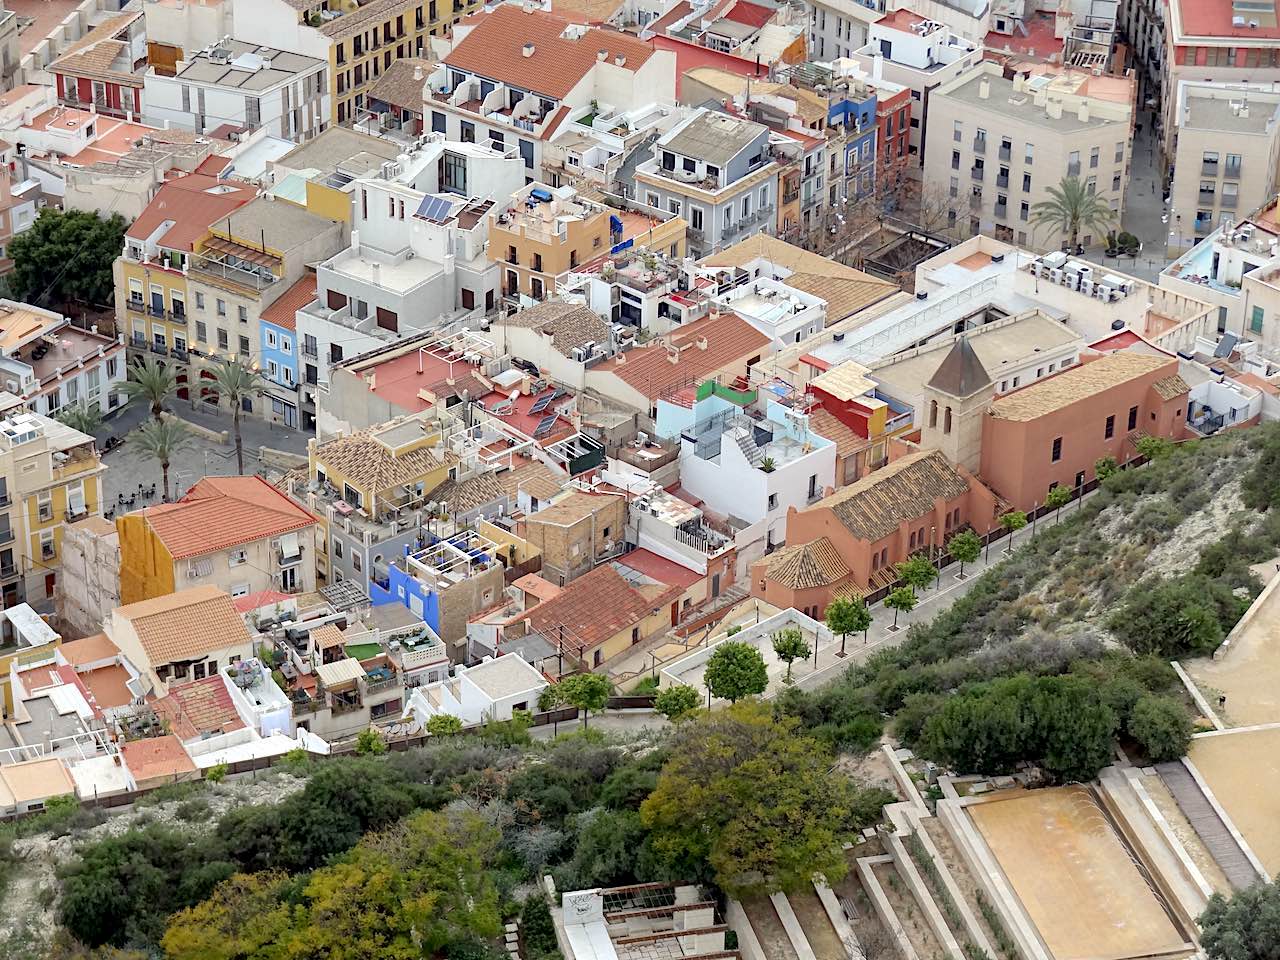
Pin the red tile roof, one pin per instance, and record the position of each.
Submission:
(213, 165)
(192, 203)
(1216, 18)
(1117, 341)
(659, 568)
(199, 708)
(673, 16)
(223, 512)
(728, 339)
(283, 313)
(689, 56)
(256, 601)
(494, 48)
(593, 608)
(157, 757)
(88, 650)
(751, 14)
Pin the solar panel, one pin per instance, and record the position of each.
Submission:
(545, 425)
(543, 402)
(435, 209)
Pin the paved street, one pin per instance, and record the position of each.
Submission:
(128, 466)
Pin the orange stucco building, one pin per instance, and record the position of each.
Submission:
(849, 542)
(1053, 431)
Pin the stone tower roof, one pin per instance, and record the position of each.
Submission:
(961, 373)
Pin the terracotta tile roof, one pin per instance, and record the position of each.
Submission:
(576, 506)
(186, 625)
(284, 312)
(199, 708)
(845, 296)
(534, 478)
(761, 246)
(157, 757)
(256, 601)
(368, 463)
(463, 496)
(494, 50)
(828, 427)
(399, 87)
(659, 568)
(1077, 383)
(807, 565)
(32, 780)
(89, 650)
(751, 14)
(1171, 387)
(223, 512)
(327, 637)
(592, 608)
(874, 506)
(570, 325)
(650, 370)
(93, 54)
(537, 587)
(192, 203)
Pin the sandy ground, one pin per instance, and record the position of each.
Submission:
(1186, 835)
(909, 912)
(769, 930)
(1073, 875)
(1243, 771)
(1248, 674)
(959, 872)
(817, 928)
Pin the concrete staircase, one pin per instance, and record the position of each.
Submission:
(1204, 819)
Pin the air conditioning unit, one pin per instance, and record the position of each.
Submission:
(1071, 281)
(1086, 286)
(1116, 295)
(1055, 274)
(1037, 268)
(1105, 291)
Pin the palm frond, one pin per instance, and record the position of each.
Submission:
(162, 438)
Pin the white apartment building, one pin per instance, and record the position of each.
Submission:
(838, 27)
(920, 54)
(517, 76)
(244, 86)
(1000, 144)
(47, 363)
(418, 256)
(1227, 148)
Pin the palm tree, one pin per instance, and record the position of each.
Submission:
(235, 381)
(77, 417)
(151, 383)
(1071, 207)
(162, 439)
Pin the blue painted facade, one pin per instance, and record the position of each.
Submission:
(279, 351)
(402, 587)
(857, 112)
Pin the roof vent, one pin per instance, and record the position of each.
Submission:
(527, 50)
(602, 55)
(922, 294)
(619, 61)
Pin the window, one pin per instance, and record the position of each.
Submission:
(244, 346)
(1255, 320)
(1115, 182)
(202, 332)
(1029, 155)
(1057, 450)
(1024, 210)
(243, 313)
(673, 206)
(957, 131)
(1093, 157)
(1110, 430)
(356, 562)
(271, 339)
(222, 339)
(695, 217)
(1133, 417)
(773, 501)
(1026, 183)
(222, 307)
(199, 300)
(237, 558)
(337, 549)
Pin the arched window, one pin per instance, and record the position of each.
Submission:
(946, 421)
(933, 413)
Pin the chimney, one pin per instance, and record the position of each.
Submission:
(527, 50)
(877, 66)
(702, 343)
(1054, 109)
(602, 55)
(619, 61)
(1019, 82)
(984, 89)
(1084, 112)
(417, 72)
(1244, 110)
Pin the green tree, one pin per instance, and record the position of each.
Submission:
(604, 853)
(586, 691)
(1070, 208)
(901, 600)
(549, 698)
(1013, 521)
(752, 799)
(966, 547)
(1105, 467)
(66, 257)
(537, 929)
(150, 383)
(443, 724)
(676, 703)
(1057, 498)
(1172, 618)
(1244, 927)
(917, 571)
(1154, 448)
(845, 616)
(789, 645)
(234, 382)
(161, 439)
(735, 670)
(245, 915)
(80, 417)
(1161, 727)
(370, 741)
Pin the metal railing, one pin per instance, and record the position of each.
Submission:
(977, 173)
(6, 535)
(979, 144)
(1209, 168)
(1232, 171)
(1005, 152)
(1002, 180)
(8, 571)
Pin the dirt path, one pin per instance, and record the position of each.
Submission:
(817, 927)
(769, 930)
(1187, 835)
(909, 913)
(959, 872)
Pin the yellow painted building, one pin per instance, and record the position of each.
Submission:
(50, 474)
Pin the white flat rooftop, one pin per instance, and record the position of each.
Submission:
(399, 277)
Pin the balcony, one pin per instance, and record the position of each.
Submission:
(179, 317)
(73, 515)
(1002, 180)
(8, 571)
(1002, 211)
(1232, 171)
(1202, 227)
(6, 536)
(159, 349)
(1228, 201)
(790, 196)
(139, 341)
(289, 560)
(178, 353)
(137, 306)
(1073, 169)
(975, 201)
(1004, 153)
(5, 499)
(977, 173)
(1207, 198)
(310, 352)
(378, 686)
(980, 145)
(158, 312)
